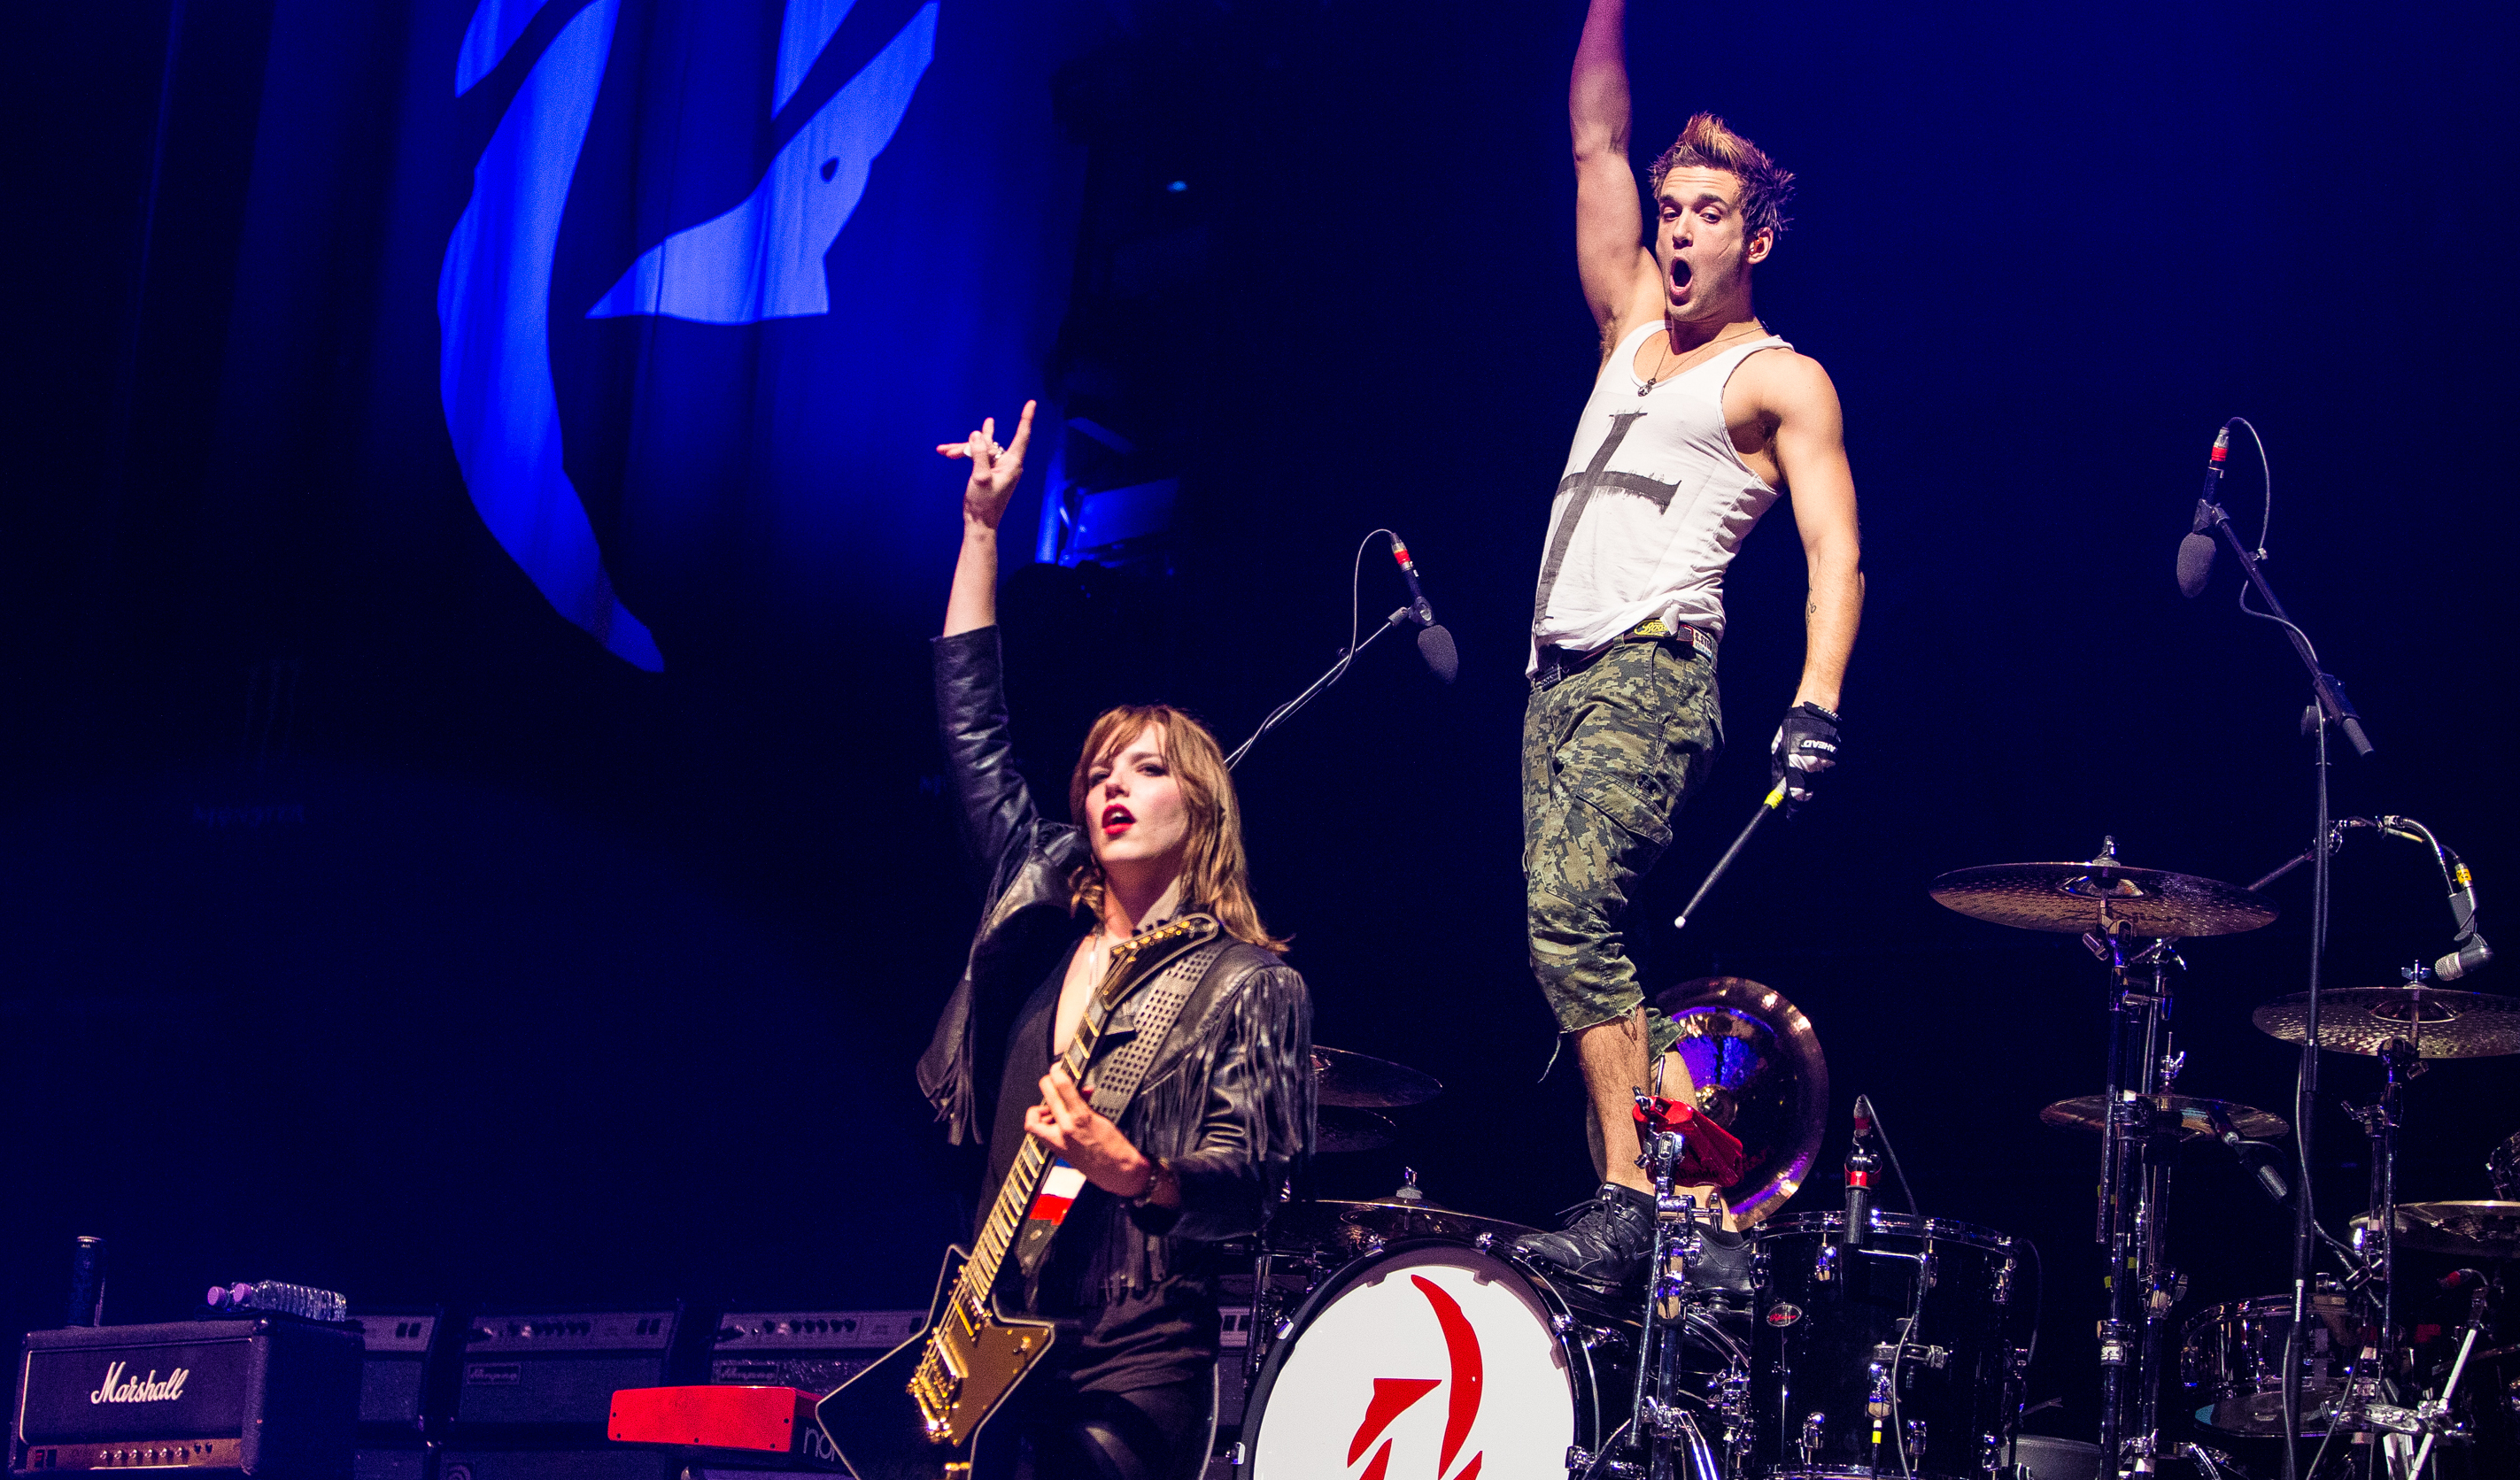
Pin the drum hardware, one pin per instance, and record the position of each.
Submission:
(2502, 1169)
(2132, 919)
(1657, 1423)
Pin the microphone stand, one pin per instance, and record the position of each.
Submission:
(1338, 671)
(2330, 708)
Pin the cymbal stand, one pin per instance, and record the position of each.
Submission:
(2401, 1060)
(2134, 1199)
(1657, 1425)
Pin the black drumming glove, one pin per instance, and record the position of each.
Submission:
(1806, 745)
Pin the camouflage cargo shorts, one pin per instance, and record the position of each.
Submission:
(1609, 754)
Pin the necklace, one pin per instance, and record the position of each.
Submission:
(1656, 377)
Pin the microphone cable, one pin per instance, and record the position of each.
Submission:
(1338, 670)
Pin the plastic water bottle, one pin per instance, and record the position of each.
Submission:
(303, 1301)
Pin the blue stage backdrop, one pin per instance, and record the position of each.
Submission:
(689, 290)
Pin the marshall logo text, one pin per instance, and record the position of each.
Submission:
(121, 1389)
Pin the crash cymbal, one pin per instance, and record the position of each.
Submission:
(2441, 1025)
(2460, 1230)
(2101, 894)
(2176, 1115)
(1344, 1130)
(1759, 1072)
(1346, 1228)
(1359, 1083)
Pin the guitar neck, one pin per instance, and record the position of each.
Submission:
(1024, 1178)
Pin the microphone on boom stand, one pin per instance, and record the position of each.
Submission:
(2196, 552)
(1434, 643)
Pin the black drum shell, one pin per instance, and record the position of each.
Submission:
(1827, 1315)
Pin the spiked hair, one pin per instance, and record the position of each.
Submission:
(1707, 143)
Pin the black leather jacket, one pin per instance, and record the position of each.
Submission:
(1227, 1101)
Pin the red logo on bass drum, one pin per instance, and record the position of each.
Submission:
(1394, 1396)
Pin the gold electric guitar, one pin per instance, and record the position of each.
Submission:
(916, 1414)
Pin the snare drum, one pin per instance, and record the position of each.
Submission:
(1900, 1357)
(2230, 1360)
(1440, 1359)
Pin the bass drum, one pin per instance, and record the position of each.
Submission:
(1441, 1359)
(1900, 1356)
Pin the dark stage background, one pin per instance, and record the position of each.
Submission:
(367, 923)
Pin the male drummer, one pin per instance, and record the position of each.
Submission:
(1699, 419)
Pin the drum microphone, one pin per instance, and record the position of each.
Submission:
(2267, 1177)
(1859, 1179)
(2196, 552)
(1435, 643)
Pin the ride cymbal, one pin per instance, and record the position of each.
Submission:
(2179, 1115)
(2099, 896)
(2440, 1024)
(1356, 1082)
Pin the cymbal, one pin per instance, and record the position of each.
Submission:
(2177, 1115)
(1344, 1130)
(2462, 1229)
(1349, 1227)
(1356, 1082)
(1759, 1072)
(2441, 1023)
(2094, 896)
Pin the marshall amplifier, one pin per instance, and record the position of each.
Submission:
(558, 1370)
(273, 1396)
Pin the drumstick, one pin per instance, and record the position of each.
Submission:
(1766, 805)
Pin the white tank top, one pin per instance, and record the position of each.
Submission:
(1653, 504)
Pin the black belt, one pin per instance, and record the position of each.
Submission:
(1557, 664)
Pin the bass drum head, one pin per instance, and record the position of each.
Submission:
(1439, 1354)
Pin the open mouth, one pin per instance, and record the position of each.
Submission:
(1679, 274)
(1116, 819)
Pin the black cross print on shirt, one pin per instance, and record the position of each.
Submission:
(1583, 485)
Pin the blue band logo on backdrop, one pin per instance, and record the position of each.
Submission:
(762, 259)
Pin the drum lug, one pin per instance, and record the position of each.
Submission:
(1824, 1263)
(1809, 1443)
(1915, 1441)
(2003, 1281)
(1991, 1450)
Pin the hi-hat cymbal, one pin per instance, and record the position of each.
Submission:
(1341, 1129)
(2176, 1115)
(1759, 1073)
(2461, 1229)
(2101, 895)
(2440, 1024)
(1359, 1083)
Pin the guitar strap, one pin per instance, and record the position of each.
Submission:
(1147, 1018)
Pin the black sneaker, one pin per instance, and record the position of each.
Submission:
(1723, 1265)
(1606, 1241)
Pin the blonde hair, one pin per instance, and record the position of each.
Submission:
(1215, 876)
(1708, 142)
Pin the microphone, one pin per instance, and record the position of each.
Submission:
(2196, 552)
(2465, 960)
(2462, 1279)
(2267, 1177)
(1859, 1179)
(1434, 643)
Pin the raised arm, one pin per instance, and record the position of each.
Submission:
(1810, 453)
(997, 806)
(1610, 258)
(995, 473)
